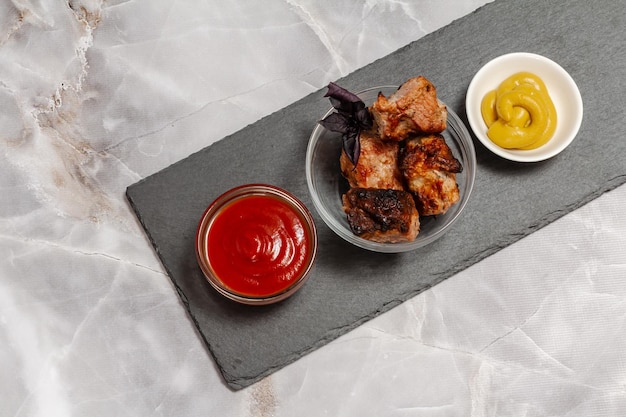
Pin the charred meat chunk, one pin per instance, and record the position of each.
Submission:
(429, 169)
(412, 109)
(381, 215)
(377, 166)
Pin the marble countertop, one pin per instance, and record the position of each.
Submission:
(96, 95)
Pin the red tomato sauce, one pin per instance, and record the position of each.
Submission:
(258, 245)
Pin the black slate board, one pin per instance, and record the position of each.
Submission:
(349, 285)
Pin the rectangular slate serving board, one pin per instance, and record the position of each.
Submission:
(350, 286)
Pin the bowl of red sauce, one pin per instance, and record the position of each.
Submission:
(256, 244)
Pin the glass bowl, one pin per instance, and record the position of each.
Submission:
(256, 244)
(327, 185)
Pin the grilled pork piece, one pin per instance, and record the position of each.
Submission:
(413, 109)
(381, 215)
(377, 166)
(429, 169)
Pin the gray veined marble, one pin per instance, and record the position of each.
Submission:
(96, 95)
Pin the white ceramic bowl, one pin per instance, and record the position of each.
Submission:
(327, 185)
(561, 87)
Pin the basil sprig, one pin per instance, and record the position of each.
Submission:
(350, 119)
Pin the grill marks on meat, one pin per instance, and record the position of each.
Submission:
(429, 169)
(382, 215)
(377, 166)
(413, 109)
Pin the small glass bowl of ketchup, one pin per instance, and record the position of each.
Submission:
(256, 244)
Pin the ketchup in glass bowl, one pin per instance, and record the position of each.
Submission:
(256, 244)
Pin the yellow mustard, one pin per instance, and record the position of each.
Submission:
(519, 113)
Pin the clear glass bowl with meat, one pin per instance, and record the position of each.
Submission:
(346, 195)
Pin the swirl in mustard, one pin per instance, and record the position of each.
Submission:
(519, 113)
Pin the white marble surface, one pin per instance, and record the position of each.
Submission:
(96, 95)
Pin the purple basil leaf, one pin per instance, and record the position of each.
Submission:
(364, 118)
(357, 150)
(336, 122)
(351, 117)
(345, 107)
(352, 145)
(341, 94)
(336, 103)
